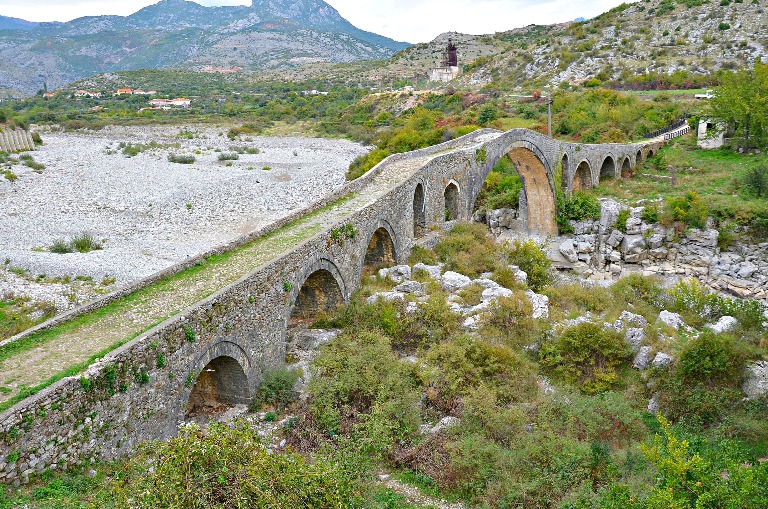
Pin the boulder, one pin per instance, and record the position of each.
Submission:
(643, 358)
(490, 294)
(472, 322)
(434, 271)
(671, 319)
(653, 405)
(540, 305)
(408, 287)
(452, 281)
(634, 337)
(724, 324)
(486, 283)
(520, 275)
(629, 318)
(445, 423)
(615, 238)
(388, 296)
(398, 273)
(568, 250)
(633, 225)
(756, 380)
(662, 360)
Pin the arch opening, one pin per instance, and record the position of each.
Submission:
(419, 212)
(639, 158)
(564, 174)
(582, 179)
(626, 168)
(451, 198)
(608, 169)
(220, 385)
(381, 251)
(651, 153)
(538, 192)
(320, 293)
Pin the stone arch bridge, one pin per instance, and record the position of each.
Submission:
(213, 353)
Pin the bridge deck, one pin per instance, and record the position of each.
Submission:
(68, 348)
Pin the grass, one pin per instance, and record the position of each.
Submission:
(256, 252)
(715, 175)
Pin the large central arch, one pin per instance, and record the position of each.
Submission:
(537, 189)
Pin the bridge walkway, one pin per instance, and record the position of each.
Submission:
(42, 358)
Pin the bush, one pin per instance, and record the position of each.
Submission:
(60, 246)
(705, 381)
(222, 464)
(532, 260)
(756, 180)
(510, 320)
(276, 388)
(358, 375)
(469, 250)
(621, 220)
(85, 243)
(229, 156)
(181, 158)
(689, 210)
(587, 356)
(579, 207)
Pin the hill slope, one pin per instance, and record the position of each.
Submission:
(182, 34)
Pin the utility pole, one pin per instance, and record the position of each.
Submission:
(549, 115)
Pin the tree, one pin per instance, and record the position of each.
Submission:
(741, 101)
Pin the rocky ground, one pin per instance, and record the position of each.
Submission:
(145, 211)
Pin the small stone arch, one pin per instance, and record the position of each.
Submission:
(626, 168)
(223, 378)
(651, 153)
(322, 291)
(381, 251)
(582, 178)
(639, 158)
(608, 168)
(419, 211)
(564, 173)
(452, 200)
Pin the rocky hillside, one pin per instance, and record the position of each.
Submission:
(182, 34)
(631, 44)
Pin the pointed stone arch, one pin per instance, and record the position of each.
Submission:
(452, 202)
(419, 211)
(381, 251)
(538, 190)
(223, 378)
(582, 177)
(626, 168)
(322, 290)
(608, 168)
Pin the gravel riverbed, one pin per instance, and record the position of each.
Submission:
(147, 212)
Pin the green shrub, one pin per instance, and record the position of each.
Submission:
(181, 158)
(756, 180)
(641, 291)
(586, 356)
(223, 465)
(85, 243)
(689, 210)
(650, 214)
(469, 250)
(510, 319)
(579, 207)
(229, 156)
(531, 259)
(458, 366)
(276, 388)
(61, 246)
(501, 189)
(357, 375)
(705, 381)
(621, 220)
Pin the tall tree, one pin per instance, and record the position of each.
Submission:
(741, 102)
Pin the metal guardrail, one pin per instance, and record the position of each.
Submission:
(672, 127)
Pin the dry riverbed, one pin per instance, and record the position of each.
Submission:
(146, 212)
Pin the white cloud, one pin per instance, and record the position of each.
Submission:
(405, 20)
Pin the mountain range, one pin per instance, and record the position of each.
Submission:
(182, 34)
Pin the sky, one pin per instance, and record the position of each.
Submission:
(403, 20)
